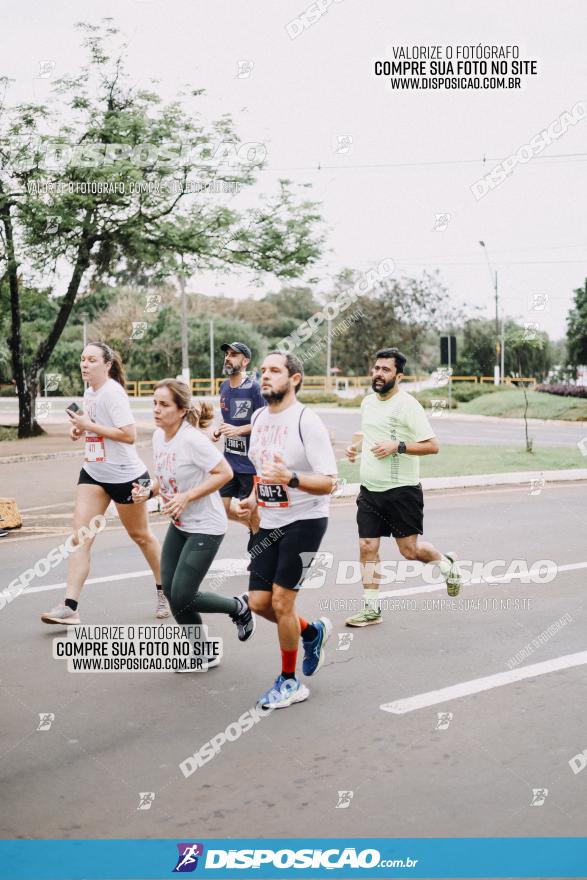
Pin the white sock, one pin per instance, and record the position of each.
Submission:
(371, 599)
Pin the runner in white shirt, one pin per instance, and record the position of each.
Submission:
(110, 469)
(296, 468)
(189, 471)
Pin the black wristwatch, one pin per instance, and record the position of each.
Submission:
(401, 448)
(294, 482)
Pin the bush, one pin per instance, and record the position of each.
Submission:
(429, 394)
(8, 391)
(317, 397)
(8, 433)
(465, 391)
(564, 390)
(351, 401)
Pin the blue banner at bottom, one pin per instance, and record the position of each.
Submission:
(293, 857)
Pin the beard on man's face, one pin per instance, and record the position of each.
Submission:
(230, 370)
(382, 387)
(275, 395)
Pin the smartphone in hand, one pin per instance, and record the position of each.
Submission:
(73, 407)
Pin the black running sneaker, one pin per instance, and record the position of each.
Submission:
(244, 619)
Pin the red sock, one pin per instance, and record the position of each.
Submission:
(288, 661)
(303, 624)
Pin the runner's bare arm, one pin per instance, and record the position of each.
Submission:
(125, 434)
(245, 506)
(140, 493)
(218, 477)
(390, 447)
(314, 484)
(423, 447)
(234, 430)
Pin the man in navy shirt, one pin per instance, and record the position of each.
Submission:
(240, 396)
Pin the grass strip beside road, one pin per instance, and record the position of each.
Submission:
(459, 461)
(510, 404)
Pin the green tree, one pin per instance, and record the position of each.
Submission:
(476, 355)
(398, 312)
(577, 328)
(522, 346)
(111, 196)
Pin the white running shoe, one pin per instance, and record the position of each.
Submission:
(61, 615)
(162, 610)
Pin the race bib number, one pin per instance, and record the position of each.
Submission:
(271, 494)
(236, 445)
(95, 449)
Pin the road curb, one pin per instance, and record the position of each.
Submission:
(474, 481)
(51, 456)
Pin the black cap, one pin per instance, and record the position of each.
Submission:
(237, 346)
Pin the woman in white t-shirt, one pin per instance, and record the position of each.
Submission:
(111, 468)
(189, 471)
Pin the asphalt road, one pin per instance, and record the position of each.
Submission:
(117, 735)
(449, 427)
(453, 429)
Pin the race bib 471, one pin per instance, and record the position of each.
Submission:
(95, 449)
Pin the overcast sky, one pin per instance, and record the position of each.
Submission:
(414, 154)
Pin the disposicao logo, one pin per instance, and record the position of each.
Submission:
(188, 857)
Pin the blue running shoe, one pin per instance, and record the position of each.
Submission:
(314, 650)
(284, 692)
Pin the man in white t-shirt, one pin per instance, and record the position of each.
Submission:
(296, 472)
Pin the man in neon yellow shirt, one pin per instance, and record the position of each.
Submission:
(396, 432)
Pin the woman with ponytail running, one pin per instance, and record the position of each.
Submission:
(189, 471)
(111, 468)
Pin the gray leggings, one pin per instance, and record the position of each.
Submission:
(185, 560)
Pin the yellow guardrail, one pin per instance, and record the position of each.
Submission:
(204, 387)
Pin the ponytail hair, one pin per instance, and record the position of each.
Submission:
(198, 413)
(202, 412)
(112, 357)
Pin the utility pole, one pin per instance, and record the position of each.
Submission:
(496, 378)
(502, 349)
(185, 362)
(328, 352)
(449, 371)
(84, 317)
(212, 389)
(496, 370)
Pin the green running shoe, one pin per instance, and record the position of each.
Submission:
(454, 579)
(365, 618)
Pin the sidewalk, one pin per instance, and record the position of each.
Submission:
(56, 443)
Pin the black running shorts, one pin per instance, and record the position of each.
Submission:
(239, 487)
(398, 512)
(275, 554)
(121, 493)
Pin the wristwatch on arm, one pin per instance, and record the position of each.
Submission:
(401, 448)
(294, 482)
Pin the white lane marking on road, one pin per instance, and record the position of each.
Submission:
(477, 685)
(219, 568)
(504, 579)
(48, 506)
(238, 567)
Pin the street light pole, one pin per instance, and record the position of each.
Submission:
(496, 369)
